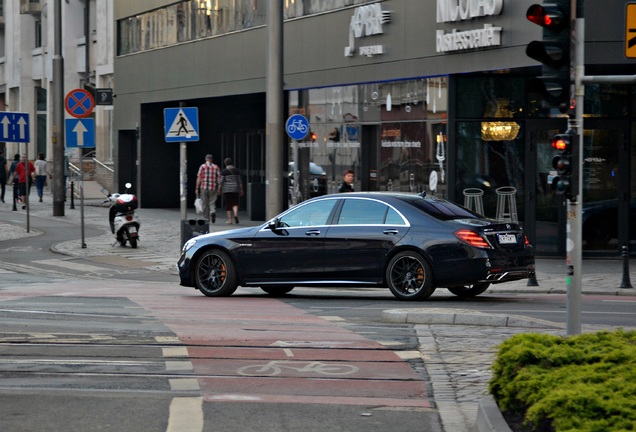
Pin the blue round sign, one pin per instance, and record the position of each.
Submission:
(297, 127)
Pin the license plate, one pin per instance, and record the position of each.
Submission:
(132, 230)
(507, 239)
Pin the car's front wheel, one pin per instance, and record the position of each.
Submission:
(215, 274)
(409, 276)
(469, 290)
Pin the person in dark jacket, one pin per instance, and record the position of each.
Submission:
(347, 182)
(232, 188)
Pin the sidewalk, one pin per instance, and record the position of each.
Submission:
(457, 346)
(599, 276)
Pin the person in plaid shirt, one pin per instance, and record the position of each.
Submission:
(208, 179)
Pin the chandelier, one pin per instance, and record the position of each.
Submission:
(499, 131)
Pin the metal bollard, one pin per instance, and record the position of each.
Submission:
(625, 283)
(72, 195)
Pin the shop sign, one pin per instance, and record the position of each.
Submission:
(366, 21)
(465, 10)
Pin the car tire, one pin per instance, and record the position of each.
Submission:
(469, 290)
(215, 274)
(277, 291)
(409, 276)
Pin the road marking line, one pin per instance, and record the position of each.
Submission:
(175, 352)
(167, 339)
(70, 265)
(178, 365)
(408, 355)
(184, 384)
(186, 415)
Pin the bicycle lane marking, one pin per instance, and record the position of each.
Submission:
(228, 334)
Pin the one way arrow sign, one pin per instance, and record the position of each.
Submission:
(79, 133)
(14, 127)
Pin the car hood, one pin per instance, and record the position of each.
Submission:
(238, 232)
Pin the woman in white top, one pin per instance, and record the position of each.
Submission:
(40, 174)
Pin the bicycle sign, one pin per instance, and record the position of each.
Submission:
(297, 127)
(275, 367)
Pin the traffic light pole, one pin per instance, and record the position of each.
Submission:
(574, 228)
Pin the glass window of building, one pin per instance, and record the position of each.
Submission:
(401, 126)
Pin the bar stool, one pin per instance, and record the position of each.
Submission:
(473, 200)
(507, 204)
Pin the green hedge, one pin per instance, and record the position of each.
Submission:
(578, 383)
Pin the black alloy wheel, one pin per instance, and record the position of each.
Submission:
(409, 276)
(215, 274)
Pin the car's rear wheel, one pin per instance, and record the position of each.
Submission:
(409, 276)
(277, 290)
(215, 274)
(469, 290)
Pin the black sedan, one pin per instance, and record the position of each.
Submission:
(409, 243)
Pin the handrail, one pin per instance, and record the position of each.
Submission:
(103, 165)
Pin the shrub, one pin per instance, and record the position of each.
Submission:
(578, 383)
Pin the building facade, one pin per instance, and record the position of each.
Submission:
(27, 37)
(415, 96)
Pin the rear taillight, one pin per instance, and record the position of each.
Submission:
(129, 218)
(526, 240)
(473, 239)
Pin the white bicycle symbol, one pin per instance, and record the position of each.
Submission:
(297, 125)
(276, 367)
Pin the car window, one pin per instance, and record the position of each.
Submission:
(444, 210)
(368, 212)
(310, 214)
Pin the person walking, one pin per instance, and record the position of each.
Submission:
(208, 183)
(24, 170)
(3, 175)
(14, 179)
(40, 175)
(231, 188)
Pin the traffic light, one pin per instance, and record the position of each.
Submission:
(553, 52)
(313, 135)
(566, 164)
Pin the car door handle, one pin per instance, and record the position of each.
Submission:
(312, 232)
(391, 232)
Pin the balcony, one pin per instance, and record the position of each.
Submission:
(33, 7)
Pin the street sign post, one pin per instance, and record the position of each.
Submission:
(79, 103)
(79, 133)
(14, 127)
(181, 124)
(297, 127)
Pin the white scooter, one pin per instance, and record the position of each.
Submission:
(124, 222)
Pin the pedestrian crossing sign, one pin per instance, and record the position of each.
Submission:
(181, 124)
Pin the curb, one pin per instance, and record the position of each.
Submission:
(464, 317)
(489, 417)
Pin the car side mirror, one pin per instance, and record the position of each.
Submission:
(274, 224)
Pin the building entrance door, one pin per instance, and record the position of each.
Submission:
(546, 209)
(606, 211)
(246, 148)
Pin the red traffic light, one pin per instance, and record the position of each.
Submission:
(559, 143)
(549, 15)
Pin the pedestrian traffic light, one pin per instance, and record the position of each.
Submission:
(553, 52)
(566, 163)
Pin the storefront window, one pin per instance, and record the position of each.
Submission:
(392, 135)
(605, 100)
(489, 165)
(490, 97)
